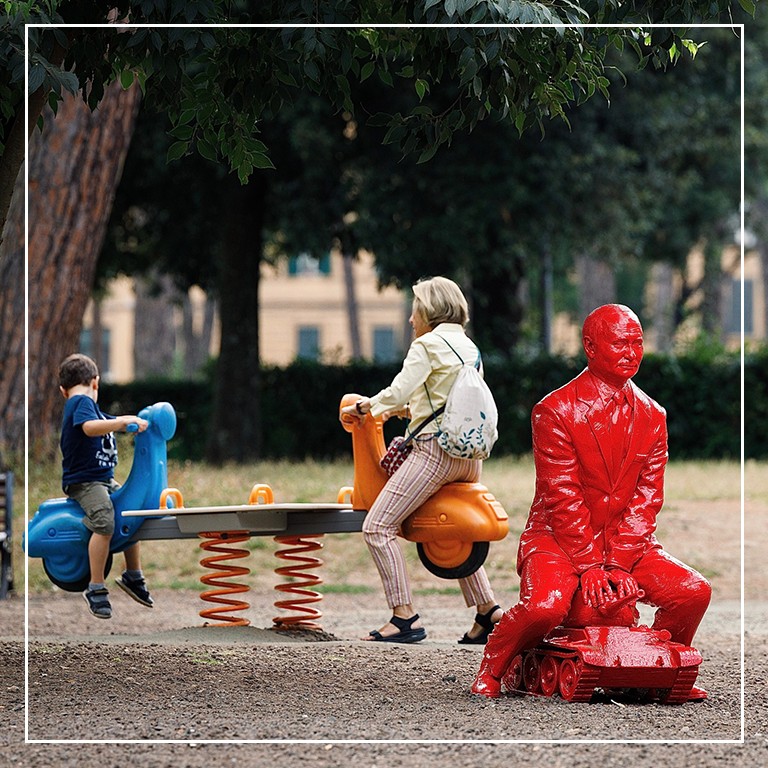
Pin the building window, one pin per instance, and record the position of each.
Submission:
(309, 342)
(733, 320)
(306, 264)
(384, 349)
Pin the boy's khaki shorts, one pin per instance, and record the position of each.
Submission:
(95, 500)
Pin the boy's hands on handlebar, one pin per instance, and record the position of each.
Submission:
(132, 423)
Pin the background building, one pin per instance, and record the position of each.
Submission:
(332, 310)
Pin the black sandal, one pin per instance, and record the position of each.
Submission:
(484, 620)
(407, 633)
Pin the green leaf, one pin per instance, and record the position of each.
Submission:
(182, 132)
(421, 88)
(367, 71)
(427, 154)
(69, 81)
(206, 149)
(126, 79)
(262, 161)
(748, 6)
(176, 150)
(311, 71)
(285, 77)
(36, 77)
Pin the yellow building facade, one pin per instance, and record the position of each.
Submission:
(332, 310)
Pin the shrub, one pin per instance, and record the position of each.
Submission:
(300, 403)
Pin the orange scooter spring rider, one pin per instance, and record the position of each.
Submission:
(452, 529)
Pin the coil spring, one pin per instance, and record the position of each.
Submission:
(226, 605)
(301, 584)
(171, 498)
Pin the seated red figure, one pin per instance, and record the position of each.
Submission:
(600, 450)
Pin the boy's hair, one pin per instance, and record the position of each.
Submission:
(77, 369)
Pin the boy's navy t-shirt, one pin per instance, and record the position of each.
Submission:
(85, 459)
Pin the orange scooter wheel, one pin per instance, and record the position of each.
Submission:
(452, 559)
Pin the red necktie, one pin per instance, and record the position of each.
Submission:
(620, 419)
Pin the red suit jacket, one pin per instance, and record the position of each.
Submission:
(584, 508)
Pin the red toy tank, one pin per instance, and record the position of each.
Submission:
(606, 651)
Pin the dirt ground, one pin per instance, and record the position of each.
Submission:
(169, 686)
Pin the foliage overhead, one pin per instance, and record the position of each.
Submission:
(640, 181)
(218, 84)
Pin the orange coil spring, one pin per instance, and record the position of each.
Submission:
(223, 589)
(301, 584)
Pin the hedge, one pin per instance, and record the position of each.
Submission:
(300, 404)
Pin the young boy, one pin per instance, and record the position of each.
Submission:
(89, 452)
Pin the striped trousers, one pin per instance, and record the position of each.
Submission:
(426, 469)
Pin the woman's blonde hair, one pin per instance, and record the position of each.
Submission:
(440, 300)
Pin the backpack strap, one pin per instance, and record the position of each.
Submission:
(423, 424)
(476, 363)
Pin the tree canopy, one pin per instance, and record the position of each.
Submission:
(220, 87)
(217, 84)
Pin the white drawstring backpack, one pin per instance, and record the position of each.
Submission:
(469, 425)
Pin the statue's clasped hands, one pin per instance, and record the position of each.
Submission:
(600, 586)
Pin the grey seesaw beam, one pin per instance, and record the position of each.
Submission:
(257, 519)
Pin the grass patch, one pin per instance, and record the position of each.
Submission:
(347, 565)
(345, 589)
(437, 591)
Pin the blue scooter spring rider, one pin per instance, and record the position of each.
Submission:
(57, 534)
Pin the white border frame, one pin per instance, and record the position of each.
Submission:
(27, 740)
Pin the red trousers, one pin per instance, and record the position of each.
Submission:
(548, 584)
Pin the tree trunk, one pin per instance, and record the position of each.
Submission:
(497, 303)
(235, 431)
(759, 225)
(664, 306)
(197, 343)
(12, 335)
(547, 299)
(712, 289)
(74, 169)
(597, 284)
(154, 330)
(353, 316)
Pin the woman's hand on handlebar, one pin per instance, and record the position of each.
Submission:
(358, 409)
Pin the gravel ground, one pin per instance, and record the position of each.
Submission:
(166, 685)
(133, 679)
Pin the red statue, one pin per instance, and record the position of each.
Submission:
(600, 449)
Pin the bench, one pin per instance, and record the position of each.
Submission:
(6, 528)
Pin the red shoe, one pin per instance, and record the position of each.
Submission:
(486, 685)
(697, 694)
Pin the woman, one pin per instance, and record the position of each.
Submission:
(438, 318)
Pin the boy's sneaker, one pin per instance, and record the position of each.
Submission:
(135, 588)
(98, 602)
